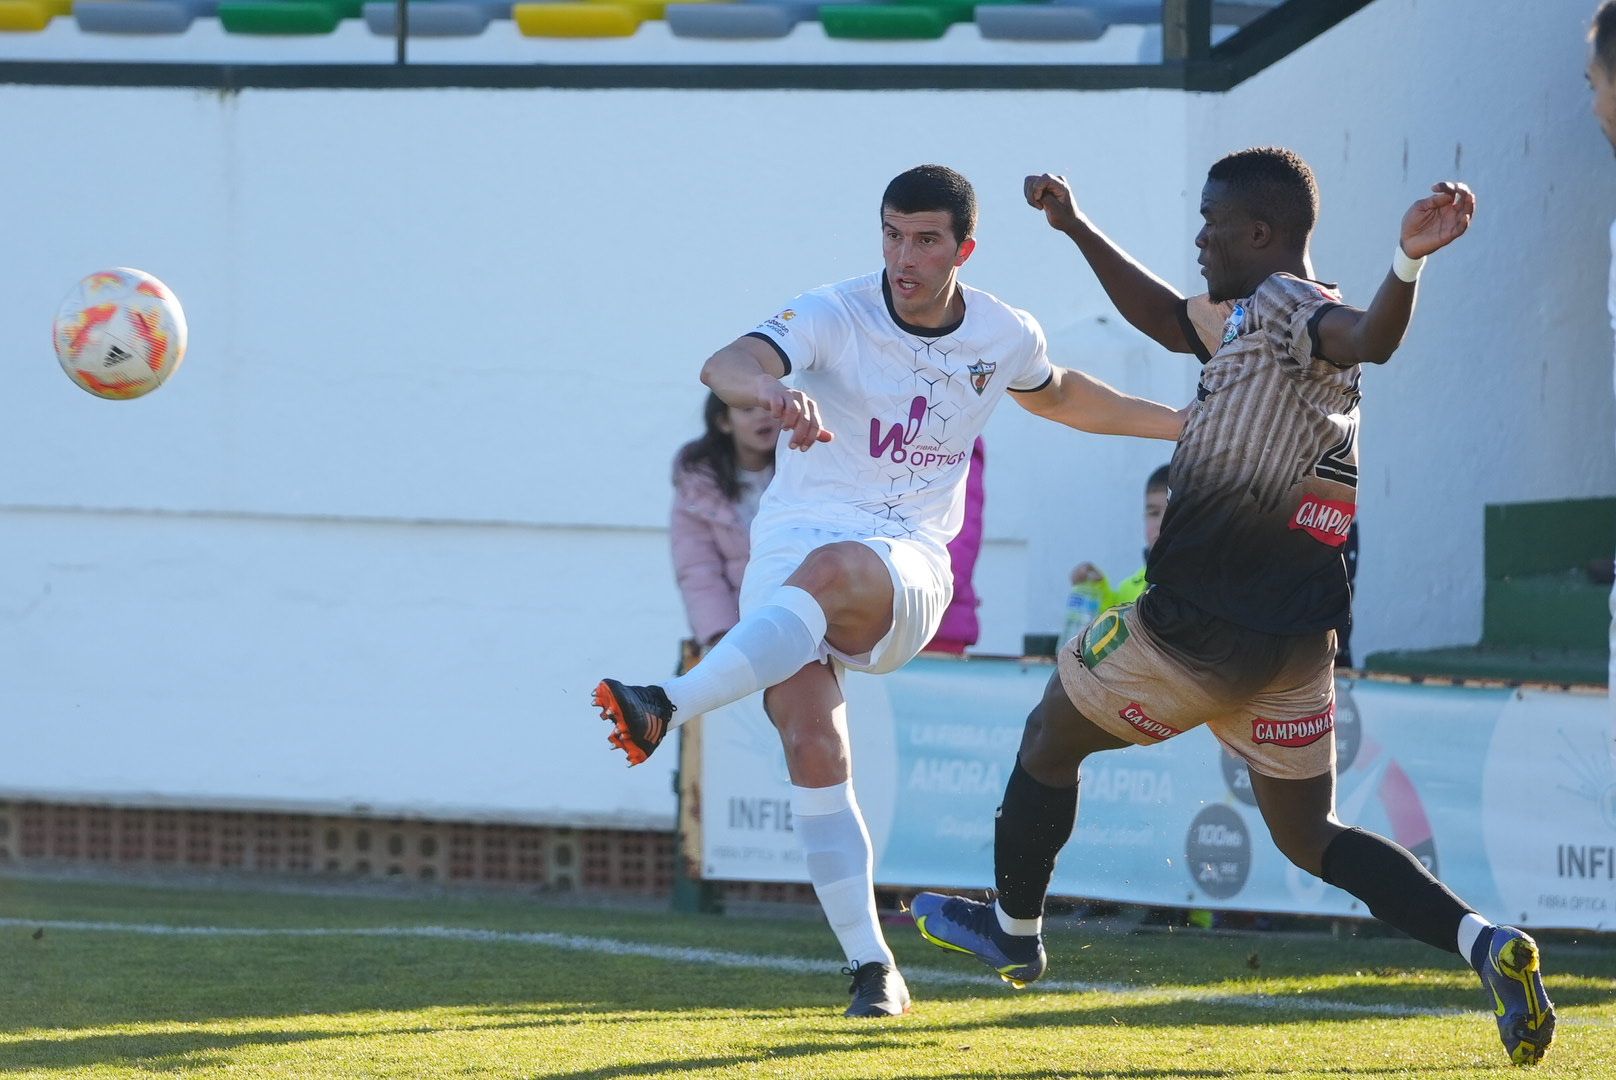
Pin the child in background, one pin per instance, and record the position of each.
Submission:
(1092, 591)
(718, 480)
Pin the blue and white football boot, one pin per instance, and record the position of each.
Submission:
(972, 927)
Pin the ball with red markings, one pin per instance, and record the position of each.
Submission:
(120, 333)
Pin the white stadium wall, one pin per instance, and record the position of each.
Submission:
(406, 499)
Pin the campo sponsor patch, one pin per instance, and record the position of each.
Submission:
(1326, 520)
(1135, 715)
(1307, 730)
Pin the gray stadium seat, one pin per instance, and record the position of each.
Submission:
(140, 16)
(435, 18)
(748, 19)
(1038, 22)
(1120, 12)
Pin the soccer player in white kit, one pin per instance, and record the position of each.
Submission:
(895, 373)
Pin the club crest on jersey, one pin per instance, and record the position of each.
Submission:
(1294, 733)
(1325, 520)
(1236, 320)
(980, 373)
(1104, 636)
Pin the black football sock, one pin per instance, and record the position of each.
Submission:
(1032, 825)
(1396, 886)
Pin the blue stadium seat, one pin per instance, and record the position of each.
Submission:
(1039, 22)
(430, 18)
(140, 16)
(748, 19)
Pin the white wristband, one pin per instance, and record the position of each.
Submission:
(1405, 268)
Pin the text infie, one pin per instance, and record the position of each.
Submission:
(760, 815)
(1586, 861)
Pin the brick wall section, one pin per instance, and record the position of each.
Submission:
(592, 860)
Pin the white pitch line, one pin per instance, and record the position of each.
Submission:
(724, 958)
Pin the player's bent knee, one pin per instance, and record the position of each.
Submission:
(842, 568)
(1304, 846)
(1051, 750)
(811, 744)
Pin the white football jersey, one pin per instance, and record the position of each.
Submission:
(905, 404)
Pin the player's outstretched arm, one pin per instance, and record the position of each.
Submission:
(1349, 336)
(747, 372)
(1081, 401)
(1145, 300)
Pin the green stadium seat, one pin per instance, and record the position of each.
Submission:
(955, 11)
(286, 16)
(884, 22)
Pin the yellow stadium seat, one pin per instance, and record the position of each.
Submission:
(646, 10)
(582, 20)
(28, 16)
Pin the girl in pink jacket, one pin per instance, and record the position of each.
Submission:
(717, 482)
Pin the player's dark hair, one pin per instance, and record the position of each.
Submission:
(1274, 185)
(934, 187)
(1158, 479)
(713, 452)
(1603, 35)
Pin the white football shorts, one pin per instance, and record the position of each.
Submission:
(922, 586)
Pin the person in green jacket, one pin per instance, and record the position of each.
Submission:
(1129, 588)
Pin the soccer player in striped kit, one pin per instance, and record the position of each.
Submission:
(1246, 580)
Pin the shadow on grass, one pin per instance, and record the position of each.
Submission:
(683, 1066)
(71, 982)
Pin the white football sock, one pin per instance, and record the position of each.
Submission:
(1471, 927)
(766, 647)
(1019, 927)
(841, 866)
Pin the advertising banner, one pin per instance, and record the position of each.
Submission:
(1509, 795)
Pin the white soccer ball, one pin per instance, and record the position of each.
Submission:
(120, 333)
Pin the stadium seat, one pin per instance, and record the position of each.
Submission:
(737, 21)
(647, 10)
(140, 16)
(429, 18)
(1039, 22)
(27, 16)
(285, 16)
(1121, 12)
(955, 11)
(576, 20)
(884, 22)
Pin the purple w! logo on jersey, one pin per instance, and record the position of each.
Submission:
(899, 435)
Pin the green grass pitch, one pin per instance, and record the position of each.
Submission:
(574, 992)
